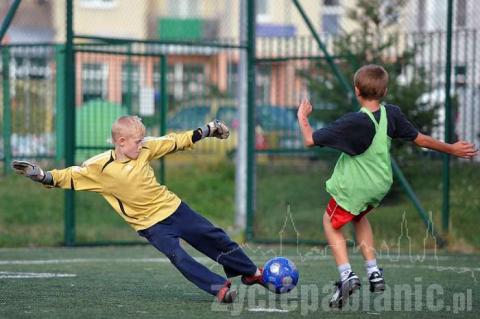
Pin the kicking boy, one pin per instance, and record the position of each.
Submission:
(363, 173)
(124, 177)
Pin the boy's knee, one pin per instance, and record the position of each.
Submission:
(222, 240)
(176, 256)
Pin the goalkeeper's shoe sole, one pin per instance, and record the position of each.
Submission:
(225, 294)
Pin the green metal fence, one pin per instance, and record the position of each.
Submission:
(175, 72)
(30, 109)
(178, 66)
(321, 67)
(131, 77)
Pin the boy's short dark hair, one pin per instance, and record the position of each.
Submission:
(372, 81)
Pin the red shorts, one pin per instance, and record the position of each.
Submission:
(340, 217)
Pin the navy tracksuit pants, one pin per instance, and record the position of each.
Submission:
(206, 238)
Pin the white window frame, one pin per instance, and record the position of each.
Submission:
(422, 15)
(332, 10)
(182, 86)
(337, 16)
(98, 4)
(28, 68)
(264, 85)
(184, 8)
(101, 75)
(461, 16)
(267, 16)
(332, 5)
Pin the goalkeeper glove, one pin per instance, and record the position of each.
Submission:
(32, 171)
(216, 129)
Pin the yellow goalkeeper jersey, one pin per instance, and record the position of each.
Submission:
(129, 186)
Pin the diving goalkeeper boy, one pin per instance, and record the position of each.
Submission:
(124, 177)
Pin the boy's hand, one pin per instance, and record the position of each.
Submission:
(30, 170)
(216, 129)
(305, 108)
(464, 149)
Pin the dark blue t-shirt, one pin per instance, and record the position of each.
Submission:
(353, 132)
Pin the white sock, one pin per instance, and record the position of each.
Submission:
(344, 270)
(371, 266)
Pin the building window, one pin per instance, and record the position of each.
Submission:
(421, 15)
(131, 86)
(98, 4)
(94, 81)
(232, 79)
(262, 10)
(331, 3)
(263, 84)
(330, 23)
(461, 13)
(157, 85)
(183, 8)
(194, 79)
(460, 75)
(30, 68)
(186, 81)
(170, 78)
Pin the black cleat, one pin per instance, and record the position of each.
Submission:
(344, 290)
(377, 283)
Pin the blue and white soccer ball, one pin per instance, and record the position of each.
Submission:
(280, 275)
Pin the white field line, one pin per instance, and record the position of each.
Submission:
(436, 267)
(259, 309)
(416, 265)
(200, 259)
(386, 257)
(29, 275)
(90, 260)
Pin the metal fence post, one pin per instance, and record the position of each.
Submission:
(69, 123)
(7, 117)
(8, 18)
(242, 144)
(251, 54)
(163, 109)
(129, 79)
(60, 102)
(448, 120)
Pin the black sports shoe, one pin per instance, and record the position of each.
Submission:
(377, 283)
(344, 289)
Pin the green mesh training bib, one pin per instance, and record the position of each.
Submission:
(363, 180)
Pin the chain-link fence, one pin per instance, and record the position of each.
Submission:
(409, 38)
(177, 64)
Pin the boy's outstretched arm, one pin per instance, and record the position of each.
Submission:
(460, 149)
(73, 177)
(304, 110)
(174, 142)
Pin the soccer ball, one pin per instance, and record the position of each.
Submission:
(280, 275)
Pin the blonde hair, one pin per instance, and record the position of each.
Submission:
(372, 81)
(126, 126)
